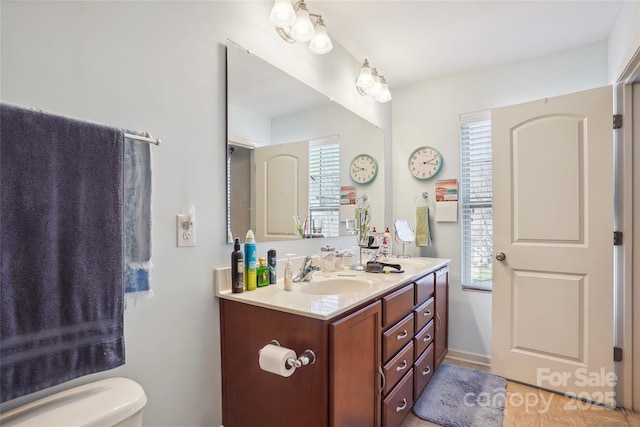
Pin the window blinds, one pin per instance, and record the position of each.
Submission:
(324, 188)
(476, 201)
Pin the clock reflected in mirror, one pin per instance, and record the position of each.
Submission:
(363, 169)
(425, 162)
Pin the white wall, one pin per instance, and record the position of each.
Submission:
(427, 114)
(624, 40)
(160, 67)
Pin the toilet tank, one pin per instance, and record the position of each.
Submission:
(108, 402)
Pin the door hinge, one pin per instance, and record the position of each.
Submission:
(617, 354)
(617, 121)
(617, 238)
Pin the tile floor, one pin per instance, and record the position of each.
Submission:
(562, 411)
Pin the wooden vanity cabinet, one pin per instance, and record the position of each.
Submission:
(354, 363)
(372, 362)
(253, 397)
(441, 344)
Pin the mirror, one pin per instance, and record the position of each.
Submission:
(404, 234)
(289, 149)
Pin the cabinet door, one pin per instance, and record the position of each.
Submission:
(442, 324)
(354, 365)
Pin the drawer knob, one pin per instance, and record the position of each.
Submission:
(403, 335)
(403, 366)
(427, 313)
(427, 338)
(401, 407)
(426, 371)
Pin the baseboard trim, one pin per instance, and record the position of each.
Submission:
(466, 356)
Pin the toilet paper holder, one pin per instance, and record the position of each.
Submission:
(308, 357)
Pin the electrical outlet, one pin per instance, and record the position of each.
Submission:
(185, 231)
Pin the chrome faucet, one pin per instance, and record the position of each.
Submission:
(306, 271)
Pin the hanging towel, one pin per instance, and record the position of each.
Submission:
(423, 235)
(62, 249)
(137, 219)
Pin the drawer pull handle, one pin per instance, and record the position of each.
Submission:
(438, 321)
(401, 407)
(403, 366)
(427, 313)
(427, 338)
(384, 380)
(426, 371)
(403, 335)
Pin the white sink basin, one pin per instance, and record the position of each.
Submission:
(336, 285)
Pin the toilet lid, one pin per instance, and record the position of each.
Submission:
(101, 403)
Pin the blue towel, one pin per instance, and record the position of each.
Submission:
(62, 249)
(137, 218)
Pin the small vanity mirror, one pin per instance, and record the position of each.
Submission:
(404, 234)
(289, 149)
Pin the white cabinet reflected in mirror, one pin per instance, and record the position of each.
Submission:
(288, 153)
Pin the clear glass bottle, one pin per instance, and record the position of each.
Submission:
(328, 259)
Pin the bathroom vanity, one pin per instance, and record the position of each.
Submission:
(377, 338)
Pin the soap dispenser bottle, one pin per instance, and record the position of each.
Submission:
(250, 278)
(237, 269)
(288, 274)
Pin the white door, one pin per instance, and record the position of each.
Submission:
(282, 189)
(552, 312)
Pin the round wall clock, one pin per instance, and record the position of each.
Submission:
(363, 169)
(425, 162)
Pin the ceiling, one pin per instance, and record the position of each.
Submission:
(413, 41)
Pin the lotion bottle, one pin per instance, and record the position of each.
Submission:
(288, 274)
(250, 275)
(237, 269)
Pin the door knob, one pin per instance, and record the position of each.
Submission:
(500, 256)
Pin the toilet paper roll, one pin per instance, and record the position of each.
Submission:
(273, 358)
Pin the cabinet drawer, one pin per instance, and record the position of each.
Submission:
(422, 371)
(424, 337)
(397, 337)
(424, 288)
(399, 402)
(424, 313)
(396, 305)
(397, 367)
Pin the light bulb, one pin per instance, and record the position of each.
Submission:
(384, 95)
(321, 42)
(365, 78)
(302, 30)
(282, 14)
(376, 87)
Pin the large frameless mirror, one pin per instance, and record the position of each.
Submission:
(289, 149)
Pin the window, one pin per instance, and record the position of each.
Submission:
(476, 201)
(324, 186)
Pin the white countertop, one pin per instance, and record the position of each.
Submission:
(326, 306)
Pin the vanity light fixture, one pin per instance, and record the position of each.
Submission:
(369, 82)
(294, 23)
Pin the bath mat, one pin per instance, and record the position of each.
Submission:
(462, 397)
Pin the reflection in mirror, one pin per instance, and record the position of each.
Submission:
(404, 234)
(288, 154)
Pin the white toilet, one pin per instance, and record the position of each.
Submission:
(113, 402)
